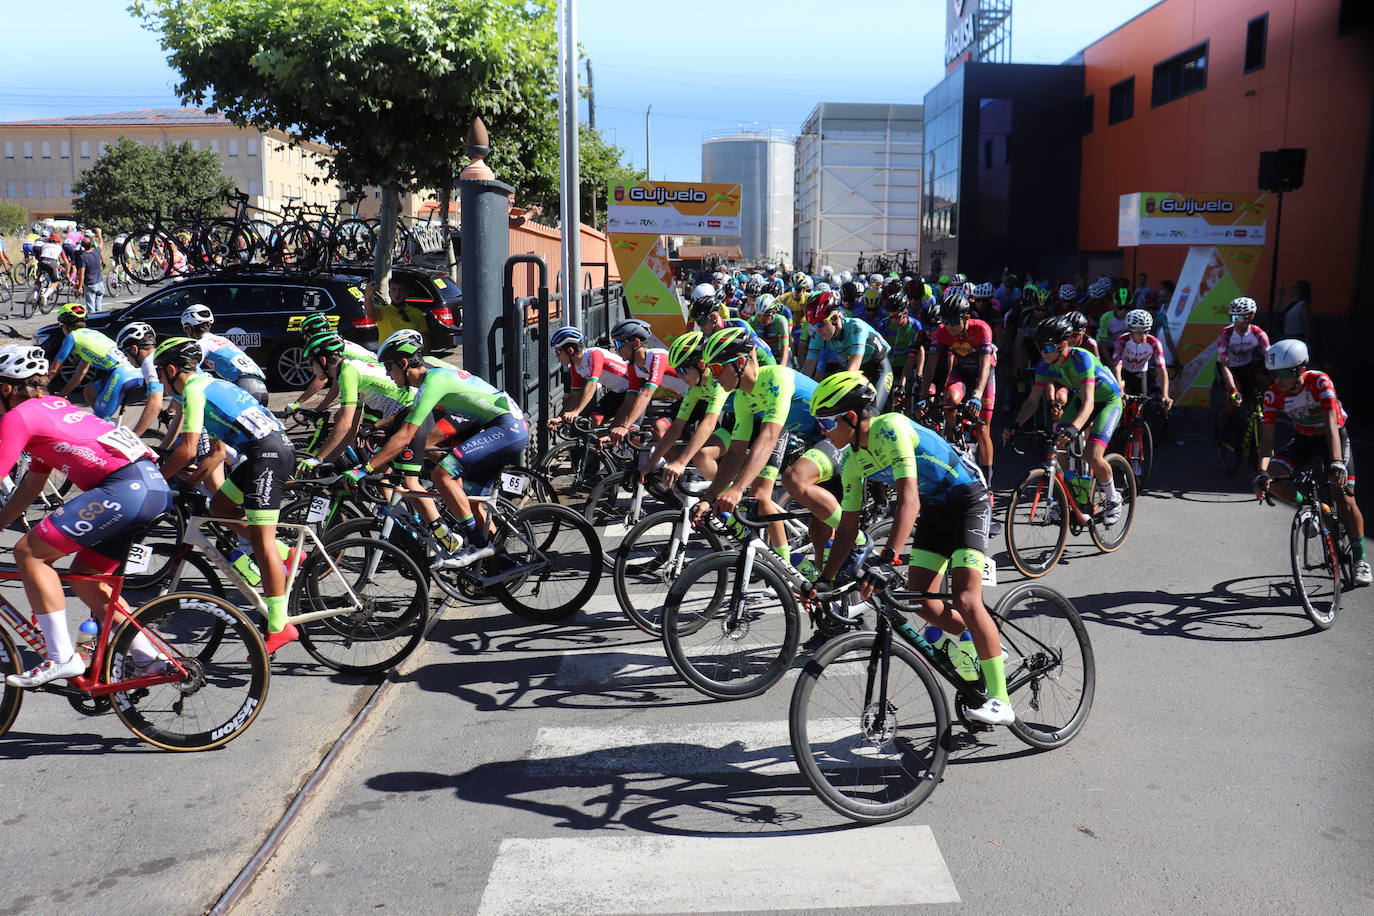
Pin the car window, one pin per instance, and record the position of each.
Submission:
(168, 304)
(253, 299)
(448, 290)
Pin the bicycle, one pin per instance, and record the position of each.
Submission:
(205, 683)
(1238, 435)
(622, 499)
(870, 725)
(579, 463)
(1319, 548)
(1135, 438)
(1044, 507)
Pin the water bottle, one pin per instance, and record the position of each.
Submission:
(445, 537)
(967, 659)
(1082, 487)
(247, 567)
(85, 644)
(933, 635)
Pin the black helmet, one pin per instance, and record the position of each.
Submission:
(896, 301)
(705, 300)
(954, 304)
(753, 289)
(1078, 321)
(849, 292)
(891, 286)
(931, 314)
(1052, 330)
(631, 327)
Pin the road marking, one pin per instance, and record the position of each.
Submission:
(600, 876)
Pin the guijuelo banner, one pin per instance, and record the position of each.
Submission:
(1179, 218)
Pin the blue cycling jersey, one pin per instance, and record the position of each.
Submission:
(1072, 372)
(855, 336)
(227, 360)
(225, 412)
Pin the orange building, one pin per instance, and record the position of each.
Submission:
(1185, 96)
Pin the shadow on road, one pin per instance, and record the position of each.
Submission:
(1248, 609)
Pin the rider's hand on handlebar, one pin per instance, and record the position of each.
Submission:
(1338, 474)
(972, 406)
(618, 433)
(670, 473)
(1009, 431)
(1261, 485)
(307, 463)
(1064, 433)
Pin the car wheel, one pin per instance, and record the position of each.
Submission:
(289, 369)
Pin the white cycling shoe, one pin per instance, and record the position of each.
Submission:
(1363, 576)
(1111, 513)
(993, 712)
(48, 671)
(466, 558)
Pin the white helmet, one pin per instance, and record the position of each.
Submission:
(1100, 288)
(1139, 320)
(1068, 292)
(18, 362)
(826, 271)
(197, 315)
(875, 278)
(983, 291)
(137, 332)
(702, 291)
(410, 335)
(844, 277)
(1243, 307)
(1286, 354)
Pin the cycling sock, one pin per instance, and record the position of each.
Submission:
(283, 551)
(1357, 549)
(783, 551)
(833, 520)
(56, 635)
(995, 673)
(477, 536)
(1109, 489)
(276, 613)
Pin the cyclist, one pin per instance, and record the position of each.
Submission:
(222, 355)
(775, 327)
(1241, 348)
(590, 370)
(487, 425)
(708, 312)
(137, 341)
(121, 493)
(1308, 398)
(232, 418)
(364, 389)
(940, 493)
(1113, 324)
(1136, 352)
(1098, 301)
(697, 417)
(985, 304)
(873, 293)
(1079, 322)
(1067, 299)
(853, 342)
(650, 375)
(902, 333)
(964, 345)
(1098, 401)
(312, 325)
(52, 261)
(117, 381)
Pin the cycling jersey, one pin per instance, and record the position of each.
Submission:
(148, 369)
(969, 347)
(1138, 356)
(466, 400)
(902, 338)
(1074, 372)
(92, 347)
(854, 336)
(1242, 349)
(656, 373)
(1307, 407)
(60, 436)
(50, 250)
(709, 397)
(773, 332)
(602, 366)
(761, 347)
(368, 381)
(897, 444)
(117, 386)
(224, 411)
(781, 395)
(226, 359)
(359, 353)
(1110, 327)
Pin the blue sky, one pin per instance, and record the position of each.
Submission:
(707, 65)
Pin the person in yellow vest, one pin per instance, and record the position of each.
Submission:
(403, 311)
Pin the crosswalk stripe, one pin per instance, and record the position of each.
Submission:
(687, 749)
(600, 876)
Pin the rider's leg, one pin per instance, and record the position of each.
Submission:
(34, 558)
(803, 480)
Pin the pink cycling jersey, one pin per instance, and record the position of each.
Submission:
(58, 435)
(607, 369)
(1307, 407)
(1137, 356)
(1242, 349)
(656, 373)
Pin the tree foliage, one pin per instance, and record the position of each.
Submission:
(13, 218)
(131, 179)
(600, 165)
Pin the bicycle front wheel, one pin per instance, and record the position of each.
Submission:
(226, 677)
(867, 758)
(649, 561)
(561, 561)
(1037, 524)
(1316, 574)
(1227, 441)
(1051, 674)
(1110, 536)
(1140, 452)
(730, 643)
(11, 698)
(612, 510)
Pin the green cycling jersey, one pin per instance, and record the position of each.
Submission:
(369, 382)
(898, 445)
(466, 399)
(709, 393)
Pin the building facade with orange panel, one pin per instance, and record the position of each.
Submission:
(1185, 96)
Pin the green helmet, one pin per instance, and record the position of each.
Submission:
(71, 313)
(768, 305)
(326, 344)
(1122, 297)
(686, 349)
(178, 351)
(727, 344)
(315, 323)
(841, 393)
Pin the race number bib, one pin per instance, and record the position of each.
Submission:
(244, 364)
(140, 555)
(514, 484)
(319, 508)
(122, 440)
(259, 423)
(989, 572)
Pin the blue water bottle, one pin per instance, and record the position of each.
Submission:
(85, 644)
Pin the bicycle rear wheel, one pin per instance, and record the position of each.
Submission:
(1051, 673)
(868, 763)
(226, 664)
(1037, 524)
(11, 698)
(730, 646)
(561, 557)
(386, 623)
(1140, 453)
(612, 512)
(1316, 572)
(650, 559)
(1109, 538)
(573, 466)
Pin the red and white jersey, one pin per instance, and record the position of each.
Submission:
(1308, 406)
(1242, 349)
(656, 373)
(1137, 357)
(602, 366)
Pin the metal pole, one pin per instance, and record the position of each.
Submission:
(566, 308)
(1274, 269)
(573, 192)
(591, 97)
(648, 150)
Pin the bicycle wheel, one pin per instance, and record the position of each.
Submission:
(1227, 442)
(353, 241)
(1051, 673)
(195, 573)
(6, 289)
(1316, 573)
(524, 487)
(868, 763)
(1140, 453)
(573, 466)
(1109, 538)
(390, 615)
(649, 561)
(730, 649)
(612, 509)
(163, 537)
(11, 698)
(1037, 524)
(226, 683)
(561, 559)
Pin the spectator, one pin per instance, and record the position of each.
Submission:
(1295, 317)
(403, 311)
(5, 263)
(1145, 297)
(90, 273)
(1009, 293)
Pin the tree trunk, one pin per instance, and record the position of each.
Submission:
(445, 202)
(386, 241)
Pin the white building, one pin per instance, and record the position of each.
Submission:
(763, 164)
(858, 183)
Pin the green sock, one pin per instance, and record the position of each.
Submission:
(276, 613)
(995, 673)
(282, 550)
(782, 551)
(1357, 548)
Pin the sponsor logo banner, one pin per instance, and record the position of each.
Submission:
(674, 208)
(1177, 218)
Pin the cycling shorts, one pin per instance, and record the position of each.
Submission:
(481, 456)
(260, 478)
(953, 531)
(963, 382)
(1137, 382)
(879, 372)
(254, 386)
(100, 524)
(1304, 450)
(411, 460)
(122, 384)
(1103, 422)
(49, 267)
(1247, 380)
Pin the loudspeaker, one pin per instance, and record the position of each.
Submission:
(1281, 169)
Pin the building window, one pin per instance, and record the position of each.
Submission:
(104, 145)
(214, 146)
(48, 189)
(66, 189)
(195, 145)
(64, 149)
(85, 149)
(1353, 16)
(252, 187)
(11, 189)
(29, 189)
(1121, 103)
(28, 150)
(9, 150)
(1180, 76)
(252, 147)
(46, 148)
(1086, 115)
(1256, 37)
(233, 147)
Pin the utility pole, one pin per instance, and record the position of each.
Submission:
(591, 97)
(648, 168)
(569, 174)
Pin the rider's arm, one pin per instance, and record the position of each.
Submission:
(23, 496)
(399, 442)
(80, 373)
(346, 424)
(206, 466)
(664, 445)
(984, 369)
(1086, 411)
(184, 453)
(785, 336)
(192, 425)
(904, 519)
(1161, 369)
(700, 436)
(151, 409)
(588, 391)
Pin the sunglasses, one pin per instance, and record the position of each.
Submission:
(717, 367)
(827, 423)
(1285, 373)
(1049, 348)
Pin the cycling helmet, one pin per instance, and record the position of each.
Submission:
(844, 277)
(1039, 296)
(178, 351)
(983, 291)
(705, 300)
(754, 288)
(327, 344)
(849, 291)
(1286, 354)
(767, 306)
(18, 362)
(892, 286)
(896, 301)
(404, 343)
(72, 312)
(1139, 320)
(686, 349)
(944, 279)
(139, 332)
(841, 393)
(931, 314)
(1078, 321)
(1068, 292)
(958, 279)
(776, 286)
(727, 344)
(1100, 288)
(875, 278)
(1122, 297)
(954, 304)
(315, 323)
(631, 328)
(197, 315)
(823, 287)
(566, 335)
(1243, 307)
(821, 306)
(1052, 330)
(801, 281)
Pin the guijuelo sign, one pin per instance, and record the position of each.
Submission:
(674, 208)
(1179, 218)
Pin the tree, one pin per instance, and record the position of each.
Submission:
(131, 179)
(600, 165)
(13, 218)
